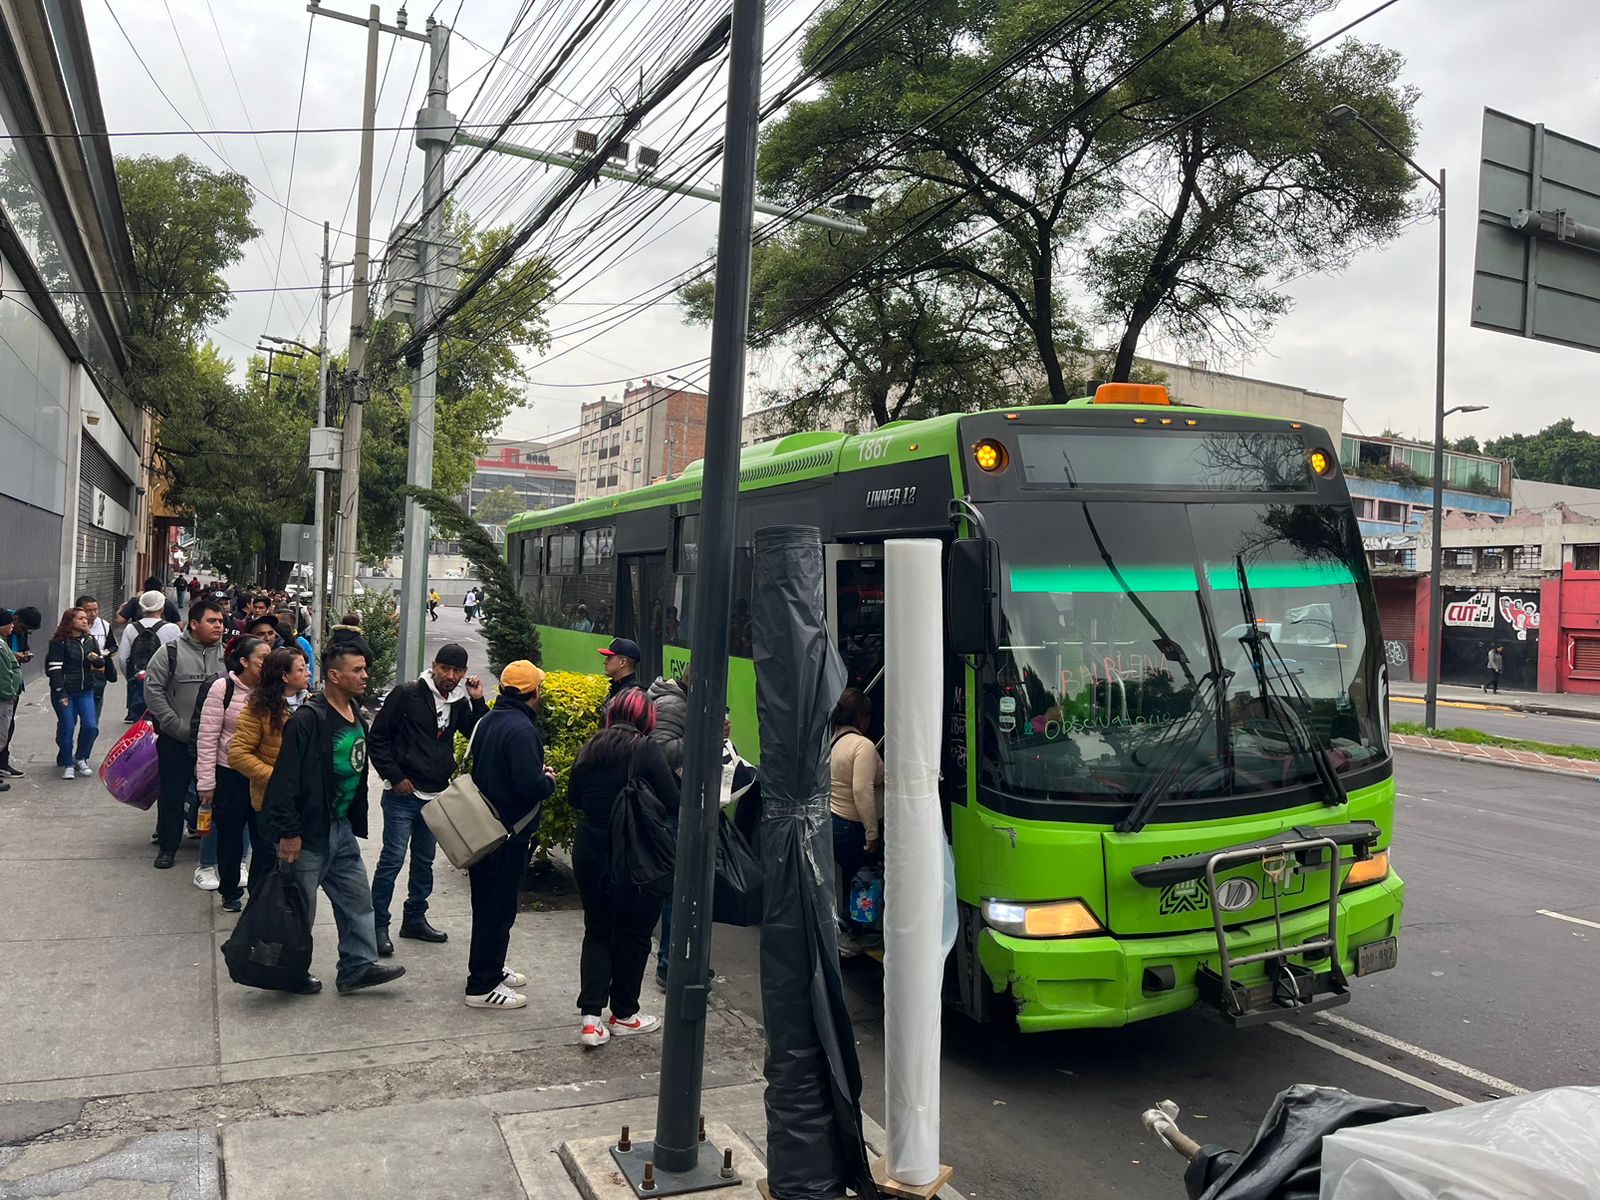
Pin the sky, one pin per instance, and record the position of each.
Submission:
(1366, 334)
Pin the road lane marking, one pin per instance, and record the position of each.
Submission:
(1545, 912)
(1381, 1067)
(1427, 1056)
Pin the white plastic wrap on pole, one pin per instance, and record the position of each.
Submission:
(914, 846)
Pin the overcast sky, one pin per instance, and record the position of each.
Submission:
(1366, 335)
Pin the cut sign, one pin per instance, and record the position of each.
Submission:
(1521, 615)
(1476, 611)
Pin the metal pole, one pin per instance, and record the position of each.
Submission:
(319, 479)
(435, 126)
(350, 458)
(1436, 566)
(683, 1047)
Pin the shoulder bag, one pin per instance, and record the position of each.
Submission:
(466, 825)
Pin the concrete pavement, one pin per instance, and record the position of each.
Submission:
(1551, 703)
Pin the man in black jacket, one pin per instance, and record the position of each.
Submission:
(508, 768)
(622, 664)
(316, 808)
(413, 748)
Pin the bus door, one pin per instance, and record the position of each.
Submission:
(855, 616)
(641, 608)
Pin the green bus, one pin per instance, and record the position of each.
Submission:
(1165, 777)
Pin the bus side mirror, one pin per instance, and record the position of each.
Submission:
(973, 595)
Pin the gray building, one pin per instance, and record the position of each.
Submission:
(73, 482)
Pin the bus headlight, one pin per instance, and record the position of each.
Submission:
(1043, 919)
(1373, 870)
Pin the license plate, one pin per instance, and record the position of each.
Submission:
(1377, 956)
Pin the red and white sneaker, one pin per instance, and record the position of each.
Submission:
(593, 1032)
(638, 1023)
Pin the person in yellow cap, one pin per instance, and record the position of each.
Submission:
(508, 768)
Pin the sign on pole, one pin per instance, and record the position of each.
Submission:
(1537, 270)
(295, 543)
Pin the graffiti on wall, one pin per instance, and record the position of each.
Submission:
(1521, 615)
(1475, 612)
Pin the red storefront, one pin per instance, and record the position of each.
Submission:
(1569, 652)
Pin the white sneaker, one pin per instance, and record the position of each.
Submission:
(68, 773)
(499, 996)
(84, 768)
(514, 979)
(205, 878)
(593, 1032)
(638, 1023)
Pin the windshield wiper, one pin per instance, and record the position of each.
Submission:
(1301, 738)
(1188, 737)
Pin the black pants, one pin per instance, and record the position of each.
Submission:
(1493, 685)
(616, 934)
(233, 815)
(175, 767)
(496, 883)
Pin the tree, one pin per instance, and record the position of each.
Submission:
(1466, 445)
(1559, 453)
(1023, 150)
(510, 624)
(498, 506)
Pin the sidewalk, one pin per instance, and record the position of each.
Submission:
(1498, 755)
(130, 1065)
(1554, 704)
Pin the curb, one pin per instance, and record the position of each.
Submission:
(1535, 708)
(1540, 768)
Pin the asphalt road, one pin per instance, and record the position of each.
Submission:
(1487, 989)
(1563, 731)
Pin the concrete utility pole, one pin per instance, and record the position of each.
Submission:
(350, 458)
(319, 542)
(435, 128)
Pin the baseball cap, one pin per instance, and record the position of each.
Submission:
(626, 647)
(451, 655)
(152, 601)
(6, 616)
(521, 677)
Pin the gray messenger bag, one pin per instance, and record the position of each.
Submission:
(463, 821)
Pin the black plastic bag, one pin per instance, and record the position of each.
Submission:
(736, 896)
(270, 947)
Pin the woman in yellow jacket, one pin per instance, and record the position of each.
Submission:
(259, 736)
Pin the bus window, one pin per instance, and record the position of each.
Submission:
(686, 545)
(739, 637)
(860, 632)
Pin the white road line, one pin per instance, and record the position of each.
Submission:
(1427, 1056)
(1545, 912)
(1382, 1067)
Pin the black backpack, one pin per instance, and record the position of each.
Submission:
(145, 644)
(644, 838)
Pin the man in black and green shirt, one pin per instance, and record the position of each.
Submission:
(316, 808)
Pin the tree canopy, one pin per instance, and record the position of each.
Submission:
(1559, 453)
(498, 506)
(1046, 180)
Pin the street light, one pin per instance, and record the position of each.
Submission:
(1339, 115)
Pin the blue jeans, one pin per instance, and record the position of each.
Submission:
(340, 873)
(136, 705)
(77, 713)
(403, 826)
(849, 856)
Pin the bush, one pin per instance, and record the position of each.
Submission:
(569, 715)
(380, 625)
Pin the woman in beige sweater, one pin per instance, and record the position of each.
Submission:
(856, 799)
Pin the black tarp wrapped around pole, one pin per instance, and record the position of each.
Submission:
(815, 1147)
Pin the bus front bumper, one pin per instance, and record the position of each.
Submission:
(1104, 982)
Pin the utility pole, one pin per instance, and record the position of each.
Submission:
(435, 128)
(350, 455)
(319, 542)
(678, 1154)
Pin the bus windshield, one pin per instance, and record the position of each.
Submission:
(1123, 658)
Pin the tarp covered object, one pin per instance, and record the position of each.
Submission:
(815, 1146)
(1285, 1160)
(1540, 1147)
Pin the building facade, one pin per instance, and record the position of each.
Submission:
(74, 478)
(525, 467)
(651, 432)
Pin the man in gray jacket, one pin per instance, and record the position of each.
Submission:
(172, 684)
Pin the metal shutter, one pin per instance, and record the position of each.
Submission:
(101, 555)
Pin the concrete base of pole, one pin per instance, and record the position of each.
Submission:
(602, 1171)
(893, 1187)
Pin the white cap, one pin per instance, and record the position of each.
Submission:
(152, 601)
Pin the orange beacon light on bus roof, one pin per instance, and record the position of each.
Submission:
(1131, 393)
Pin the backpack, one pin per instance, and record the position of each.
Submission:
(644, 838)
(145, 644)
(200, 703)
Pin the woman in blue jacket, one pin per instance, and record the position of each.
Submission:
(75, 665)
